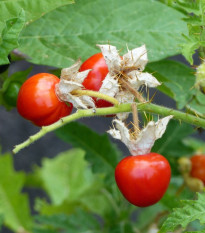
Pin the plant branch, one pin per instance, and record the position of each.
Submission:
(96, 94)
(136, 94)
(147, 107)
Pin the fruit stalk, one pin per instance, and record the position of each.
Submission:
(96, 94)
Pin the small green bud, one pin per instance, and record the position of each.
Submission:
(184, 165)
(200, 77)
(194, 184)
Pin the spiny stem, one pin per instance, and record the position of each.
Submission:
(136, 94)
(147, 107)
(96, 94)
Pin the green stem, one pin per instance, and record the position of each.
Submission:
(96, 94)
(111, 200)
(147, 107)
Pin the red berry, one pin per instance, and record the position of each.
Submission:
(198, 167)
(143, 179)
(38, 102)
(96, 76)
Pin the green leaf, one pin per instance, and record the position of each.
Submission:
(69, 182)
(34, 9)
(12, 22)
(193, 41)
(79, 28)
(197, 105)
(191, 210)
(159, 211)
(9, 37)
(66, 176)
(171, 144)
(197, 145)
(100, 152)
(14, 206)
(79, 222)
(194, 11)
(189, 6)
(189, 48)
(177, 78)
(195, 227)
(183, 5)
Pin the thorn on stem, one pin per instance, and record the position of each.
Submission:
(127, 86)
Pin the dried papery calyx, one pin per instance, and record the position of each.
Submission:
(200, 77)
(144, 139)
(125, 75)
(71, 81)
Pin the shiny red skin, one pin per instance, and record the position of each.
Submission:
(38, 102)
(143, 179)
(95, 77)
(198, 167)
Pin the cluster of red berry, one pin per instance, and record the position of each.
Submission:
(142, 179)
(37, 100)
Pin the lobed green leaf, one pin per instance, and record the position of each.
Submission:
(197, 105)
(79, 28)
(191, 210)
(70, 183)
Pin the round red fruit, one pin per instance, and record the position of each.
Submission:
(143, 179)
(96, 76)
(38, 102)
(198, 167)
